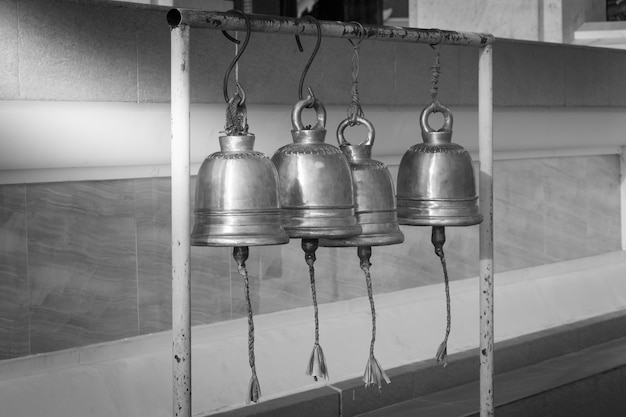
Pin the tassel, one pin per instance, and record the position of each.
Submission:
(442, 353)
(374, 374)
(317, 364)
(254, 389)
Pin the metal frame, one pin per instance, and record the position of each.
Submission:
(181, 21)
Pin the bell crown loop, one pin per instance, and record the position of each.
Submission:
(362, 151)
(309, 102)
(444, 134)
(371, 132)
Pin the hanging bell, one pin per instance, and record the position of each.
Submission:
(374, 199)
(436, 179)
(315, 186)
(237, 197)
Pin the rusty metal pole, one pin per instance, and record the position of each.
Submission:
(330, 29)
(181, 245)
(485, 145)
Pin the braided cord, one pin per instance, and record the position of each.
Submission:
(370, 295)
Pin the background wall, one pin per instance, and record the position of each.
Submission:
(85, 255)
(534, 20)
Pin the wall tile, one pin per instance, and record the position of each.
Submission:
(153, 57)
(210, 53)
(528, 74)
(616, 61)
(77, 51)
(468, 76)
(586, 77)
(154, 254)
(602, 201)
(81, 263)
(14, 338)
(9, 67)
(519, 214)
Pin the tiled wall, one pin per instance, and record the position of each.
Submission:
(86, 262)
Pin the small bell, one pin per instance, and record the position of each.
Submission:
(315, 185)
(237, 197)
(373, 194)
(376, 214)
(436, 179)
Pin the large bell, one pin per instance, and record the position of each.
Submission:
(315, 186)
(436, 180)
(237, 197)
(375, 202)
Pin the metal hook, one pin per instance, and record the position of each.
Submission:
(361, 31)
(313, 54)
(437, 45)
(239, 53)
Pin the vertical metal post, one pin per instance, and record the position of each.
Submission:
(181, 248)
(485, 143)
(622, 188)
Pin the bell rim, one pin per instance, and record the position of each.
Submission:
(231, 241)
(468, 220)
(386, 239)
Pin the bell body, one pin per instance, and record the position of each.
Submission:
(315, 187)
(374, 198)
(436, 184)
(237, 197)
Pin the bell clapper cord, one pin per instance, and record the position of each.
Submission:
(240, 253)
(317, 363)
(374, 372)
(438, 238)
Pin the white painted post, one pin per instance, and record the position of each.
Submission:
(181, 244)
(622, 193)
(485, 143)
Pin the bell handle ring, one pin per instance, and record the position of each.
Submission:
(309, 102)
(371, 133)
(436, 108)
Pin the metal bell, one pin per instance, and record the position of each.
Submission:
(237, 197)
(315, 186)
(436, 180)
(373, 193)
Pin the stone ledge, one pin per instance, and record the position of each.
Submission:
(411, 382)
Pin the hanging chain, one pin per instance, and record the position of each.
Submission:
(355, 110)
(436, 70)
(236, 112)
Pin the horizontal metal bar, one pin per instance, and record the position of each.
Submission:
(346, 30)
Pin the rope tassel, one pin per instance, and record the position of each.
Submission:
(374, 373)
(438, 238)
(240, 253)
(317, 363)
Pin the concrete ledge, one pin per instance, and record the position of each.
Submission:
(426, 378)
